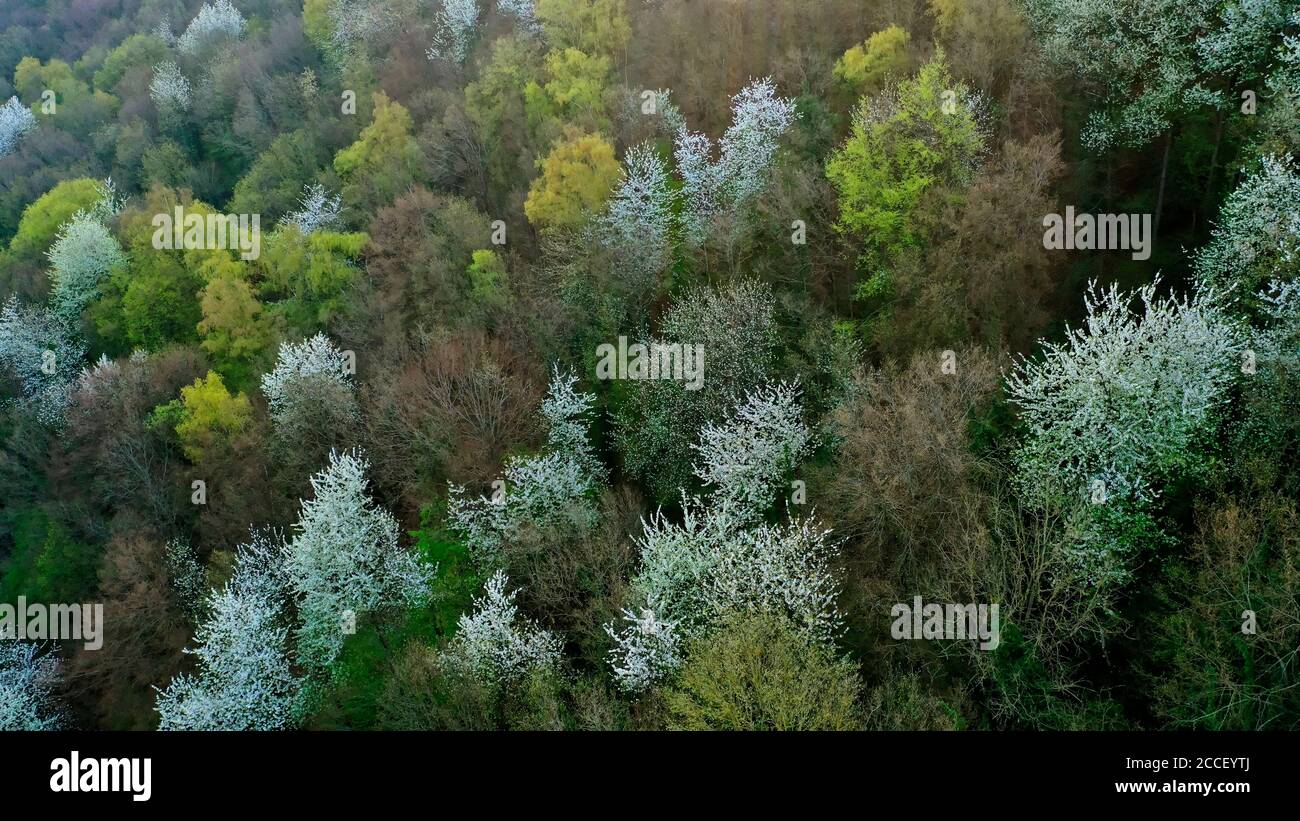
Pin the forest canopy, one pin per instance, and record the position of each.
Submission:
(651, 364)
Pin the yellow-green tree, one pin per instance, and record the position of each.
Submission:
(210, 416)
(592, 26)
(576, 179)
(865, 68)
(383, 161)
(237, 333)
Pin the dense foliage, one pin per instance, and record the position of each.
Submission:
(628, 364)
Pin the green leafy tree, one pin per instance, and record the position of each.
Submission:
(758, 673)
(210, 416)
(924, 133)
(384, 160)
(866, 67)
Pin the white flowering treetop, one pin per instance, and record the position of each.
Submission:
(544, 490)
(711, 564)
(693, 152)
(81, 257)
(312, 358)
(244, 680)
(346, 558)
(497, 646)
(1278, 341)
(745, 460)
(27, 682)
(353, 22)
(1125, 396)
(525, 11)
(645, 651)
(748, 148)
(16, 120)
(169, 88)
(640, 214)
(317, 209)
(43, 355)
(1257, 236)
(1139, 54)
(218, 20)
(454, 30)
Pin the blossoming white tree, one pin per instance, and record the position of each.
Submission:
(455, 24)
(169, 88)
(27, 680)
(312, 358)
(745, 459)
(16, 120)
(758, 119)
(496, 645)
(244, 680)
(645, 651)
(1139, 55)
(43, 355)
(81, 257)
(216, 21)
(1257, 236)
(345, 558)
(543, 490)
(748, 148)
(640, 213)
(317, 209)
(1125, 396)
(711, 564)
(525, 11)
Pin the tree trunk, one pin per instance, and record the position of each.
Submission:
(1164, 174)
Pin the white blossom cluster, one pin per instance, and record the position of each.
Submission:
(215, 21)
(83, 254)
(640, 213)
(27, 683)
(646, 650)
(1279, 339)
(163, 31)
(747, 150)
(758, 119)
(546, 490)
(455, 24)
(1125, 395)
(317, 209)
(714, 563)
(1245, 30)
(495, 645)
(525, 11)
(43, 355)
(169, 88)
(313, 358)
(244, 680)
(1257, 236)
(345, 557)
(745, 459)
(353, 22)
(1139, 54)
(16, 120)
